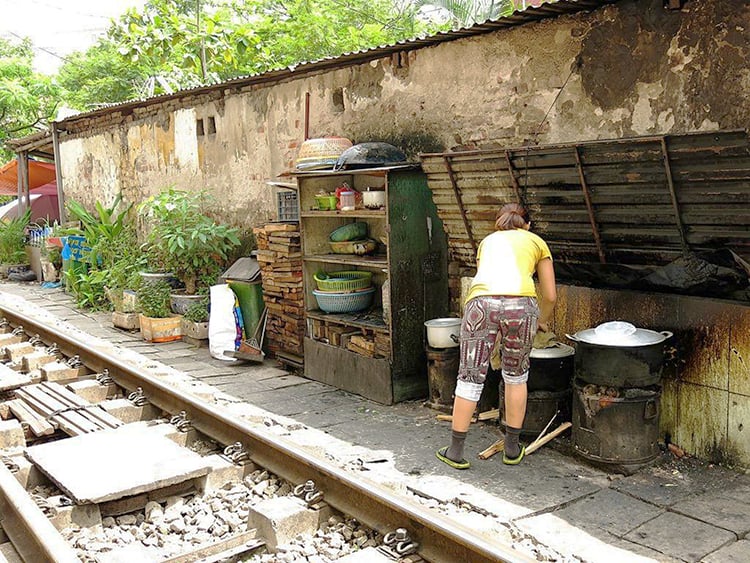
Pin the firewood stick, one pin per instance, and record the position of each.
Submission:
(536, 444)
(551, 420)
(489, 415)
(449, 417)
(492, 450)
(486, 415)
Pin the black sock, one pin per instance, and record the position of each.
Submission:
(512, 449)
(456, 449)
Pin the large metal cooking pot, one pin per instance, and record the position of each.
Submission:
(637, 361)
(551, 369)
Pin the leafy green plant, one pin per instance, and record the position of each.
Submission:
(88, 287)
(13, 239)
(197, 312)
(115, 258)
(154, 299)
(191, 243)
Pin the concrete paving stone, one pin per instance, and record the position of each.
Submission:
(133, 458)
(680, 536)
(736, 552)
(722, 510)
(571, 541)
(666, 486)
(608, 510)
(282, 379)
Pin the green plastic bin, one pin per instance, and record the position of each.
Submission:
(250, 297)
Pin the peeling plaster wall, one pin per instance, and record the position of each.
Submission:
(629, 69)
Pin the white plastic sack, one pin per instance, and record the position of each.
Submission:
(222, 323)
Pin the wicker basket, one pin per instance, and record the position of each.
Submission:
(344, 302)
(315, 154)
(343, 281)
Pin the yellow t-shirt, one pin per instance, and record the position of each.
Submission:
(506, 262)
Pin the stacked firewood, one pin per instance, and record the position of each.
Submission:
(280, 260)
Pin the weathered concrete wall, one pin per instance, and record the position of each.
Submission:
(629, 69)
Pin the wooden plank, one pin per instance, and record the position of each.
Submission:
(220, 550)
(71, 422)
(26, 415)
(94, 413)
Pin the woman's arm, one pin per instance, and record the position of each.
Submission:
(545, 271)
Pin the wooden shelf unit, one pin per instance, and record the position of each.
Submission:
(378, 356)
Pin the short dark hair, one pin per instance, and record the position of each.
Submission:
(511, 216)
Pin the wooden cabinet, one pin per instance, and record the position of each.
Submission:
(378, 353)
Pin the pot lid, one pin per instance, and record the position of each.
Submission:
(443, 322)
(559, 350)
(641, 337)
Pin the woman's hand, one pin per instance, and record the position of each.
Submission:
(542, 327)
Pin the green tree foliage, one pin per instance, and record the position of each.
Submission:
(27, 99)
(100, 76)
(175, 44)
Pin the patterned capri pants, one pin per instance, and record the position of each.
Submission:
(486, 318)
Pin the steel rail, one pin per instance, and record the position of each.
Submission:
(440, 539)
(28, 529)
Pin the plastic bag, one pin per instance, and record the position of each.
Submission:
(225, 327)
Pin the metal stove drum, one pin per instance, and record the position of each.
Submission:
(616, 393)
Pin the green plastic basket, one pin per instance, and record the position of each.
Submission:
(343, 281)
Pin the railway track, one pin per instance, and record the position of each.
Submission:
(436, 537)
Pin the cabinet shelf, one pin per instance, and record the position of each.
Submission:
(362, 353)
(336, 213)
(372, 319)
(376, 261)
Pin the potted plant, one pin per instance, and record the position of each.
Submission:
(157, 322)
(186, 239)
(195, 320)
(13, 256)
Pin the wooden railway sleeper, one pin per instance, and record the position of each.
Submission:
(308, 492)
(398, 544)
(181, 422)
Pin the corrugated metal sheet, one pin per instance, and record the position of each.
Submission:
(545, 11)
(639, 201)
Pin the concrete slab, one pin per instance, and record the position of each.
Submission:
(112, 464)
(723, 511)
(737, 552)
(664, 486)
(570, 541)
(608, 511)
(681, 536)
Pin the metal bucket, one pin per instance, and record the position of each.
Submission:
(612, 426)
(442, 371)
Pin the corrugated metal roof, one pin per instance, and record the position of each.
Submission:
(545, 11)
(636, 201)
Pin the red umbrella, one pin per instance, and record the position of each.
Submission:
(44, 205)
